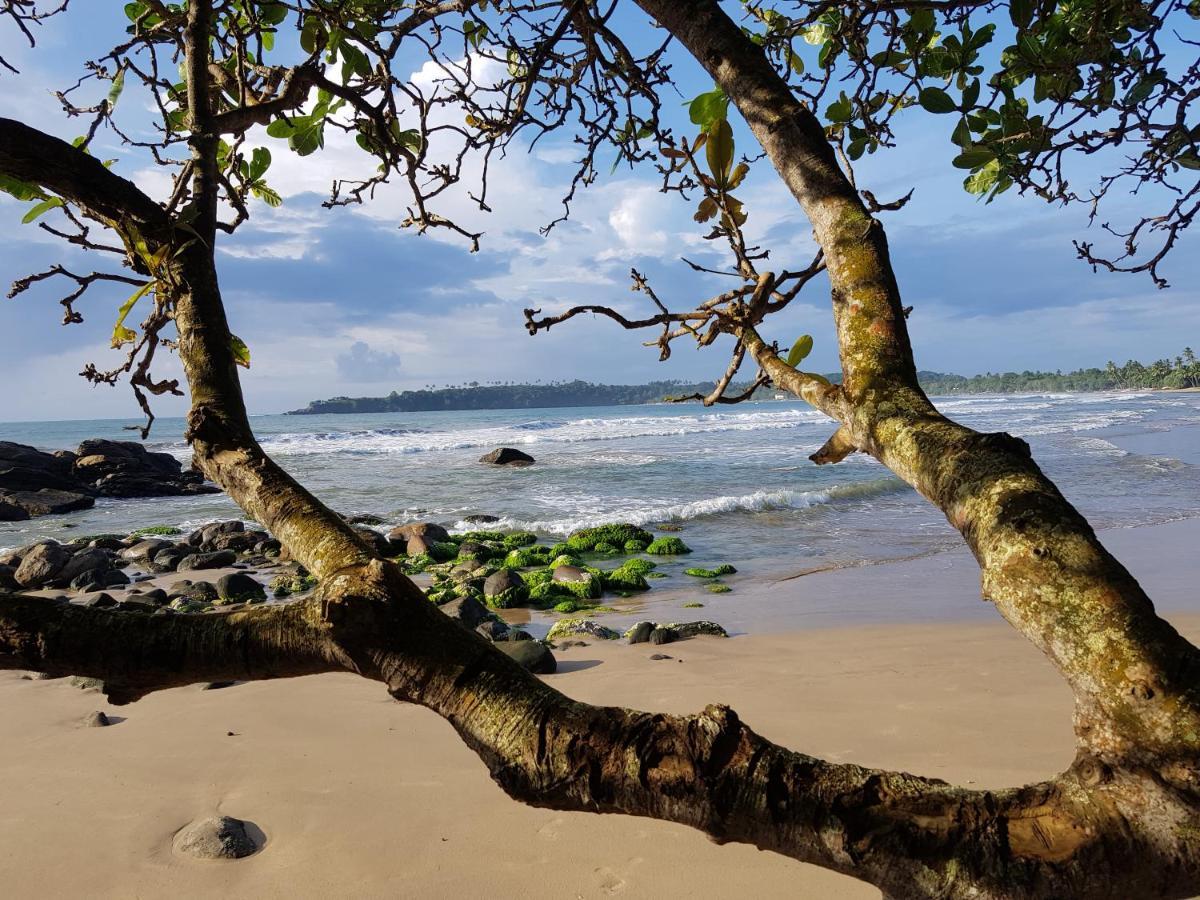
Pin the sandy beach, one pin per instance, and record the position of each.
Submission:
(359, 796)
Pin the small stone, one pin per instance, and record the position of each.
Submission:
(217, 685)
(218, 837)
(660, 656)
(87, 684)
(96, 720)
(238, 586)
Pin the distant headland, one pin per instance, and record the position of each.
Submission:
(1181, 373)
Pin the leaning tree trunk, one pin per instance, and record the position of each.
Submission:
(1120, 823)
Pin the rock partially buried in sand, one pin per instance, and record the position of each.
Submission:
(531, 655)
(96, 720)
(572, 627)
(507, 456)
(218, 837)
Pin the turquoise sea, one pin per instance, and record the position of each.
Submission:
(737, 481)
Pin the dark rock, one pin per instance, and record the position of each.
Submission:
(640, 633)
(238, 587)
(10, 512)
(97, 601)
(218, 685)
(219, 837)
(107, 542)
(663, 636)
(114, 578)
(505, 588)
(145, 550)
(8, 581)
(218, 559)
(238, 541)
(468, 612)
(494, 630)
(87, 562)
(138, 603)
(481, 519)
(376, 541)
(128, 469)
(660, 656)
(96, 719)
(205, 535)
(507, 456)
(44, 502)
(364, 519)
(24, 468)
(41, 564)
(533, 656)
(567, 645)
(432, 534)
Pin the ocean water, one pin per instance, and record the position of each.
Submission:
(736, 480)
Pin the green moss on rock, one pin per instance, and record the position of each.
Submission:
(519, 539)
(615, 534)
(163, 530)
(717, 587)
(579, 628)
(668, 546)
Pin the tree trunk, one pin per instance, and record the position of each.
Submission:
(1120, 823)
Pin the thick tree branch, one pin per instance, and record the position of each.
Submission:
(135, 653)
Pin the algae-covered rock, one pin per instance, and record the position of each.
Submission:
(504, 589)
(519, 539)
(624, 578)
(695, 629)
(615, 535)
(717, 587)
(636, 546)
(697, 572)
(579, 582)
(579, 627)
(667, 546)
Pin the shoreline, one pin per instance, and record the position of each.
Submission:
(360, 796)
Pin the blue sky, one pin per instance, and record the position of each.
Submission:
(344, 302)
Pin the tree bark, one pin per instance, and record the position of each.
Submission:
(1120, 823)
(1135, 679)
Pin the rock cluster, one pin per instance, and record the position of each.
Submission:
(34, 483)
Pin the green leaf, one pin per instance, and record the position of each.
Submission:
(1021, 12)
(44, 207)
(800, 350)
(241, 353)
(122, 335)
(971, 94)
(260, 161)
(281, 128)
(20, 189)
(935, 100)
(708, 108)
(118, 85)
(796, 62)
(840, 110)
(973, 157)
(984, 180)
(719, 151)
(272, 13)
(1188, 161)
(266, 194)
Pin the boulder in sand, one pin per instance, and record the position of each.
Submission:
(217, 837)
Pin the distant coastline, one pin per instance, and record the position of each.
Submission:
(1182, 373)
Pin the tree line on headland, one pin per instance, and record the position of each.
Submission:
(1178, 374)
